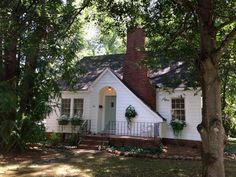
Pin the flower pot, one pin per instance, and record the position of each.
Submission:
(63, 122)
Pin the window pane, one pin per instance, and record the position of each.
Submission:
(178, 110)
(78, 107)
(65, 107)
(177, 105)
(173, 105)
(177, 101)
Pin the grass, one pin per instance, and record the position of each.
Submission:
(231, 146)
(100, 164)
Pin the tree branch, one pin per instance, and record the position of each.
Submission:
(179, 32)
(185, 3)
(231, 20)
(228, 39)
(84, 5)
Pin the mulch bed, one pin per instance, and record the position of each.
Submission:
(174, 152)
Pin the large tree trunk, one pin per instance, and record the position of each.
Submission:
(211, 128)
(1, 58)
(28, 81)
(10, 77)
(10, 63)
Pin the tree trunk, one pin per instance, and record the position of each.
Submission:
(211, 128)
(10, 63)
(10, 67)
(28, 82)
(1, 58)
(223, 101)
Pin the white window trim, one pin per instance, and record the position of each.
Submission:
(74, 106)
(61, 105)
(178, 108)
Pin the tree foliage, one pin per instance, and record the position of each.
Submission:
(228, 91)
(99, 39)
(38, 41)
(198, 31)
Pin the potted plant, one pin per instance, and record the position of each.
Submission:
(130, 114)
(63, 120)
(76, 120)
(177, 126)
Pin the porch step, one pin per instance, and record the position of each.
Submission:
(96, 141)
(88, 147)
(95, 137)
(93, 142)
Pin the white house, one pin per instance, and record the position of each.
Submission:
(113, 82)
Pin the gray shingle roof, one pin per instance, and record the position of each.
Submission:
(172, 74)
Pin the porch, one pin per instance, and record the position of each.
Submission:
(118, 133)
(122, 129)
(114, 128)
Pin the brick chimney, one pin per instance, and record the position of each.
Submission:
(134, 72)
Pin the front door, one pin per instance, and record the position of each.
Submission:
(110, 112)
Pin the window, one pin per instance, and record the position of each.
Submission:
(177, 105)
(65, 107)
(78, 107)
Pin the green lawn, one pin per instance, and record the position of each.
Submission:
(101, 164)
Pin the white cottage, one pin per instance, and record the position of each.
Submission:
(111, 83)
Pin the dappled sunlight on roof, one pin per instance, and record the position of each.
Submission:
(93, 66)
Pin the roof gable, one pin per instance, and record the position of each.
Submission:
(117, 79)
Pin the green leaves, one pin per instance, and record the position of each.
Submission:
(8, 101)
(130, 114)
(177, 126)
(46, 35)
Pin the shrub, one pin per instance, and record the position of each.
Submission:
(229, 124)
(35, 134)
(19, 134)
(72, 140)
(138, 150)
(233, 130)
(54, 139)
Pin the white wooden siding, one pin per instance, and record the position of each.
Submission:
(51, 120)
(124, 97)
(92, 100)
(192, 112)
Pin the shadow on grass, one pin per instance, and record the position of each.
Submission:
(100, 164)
